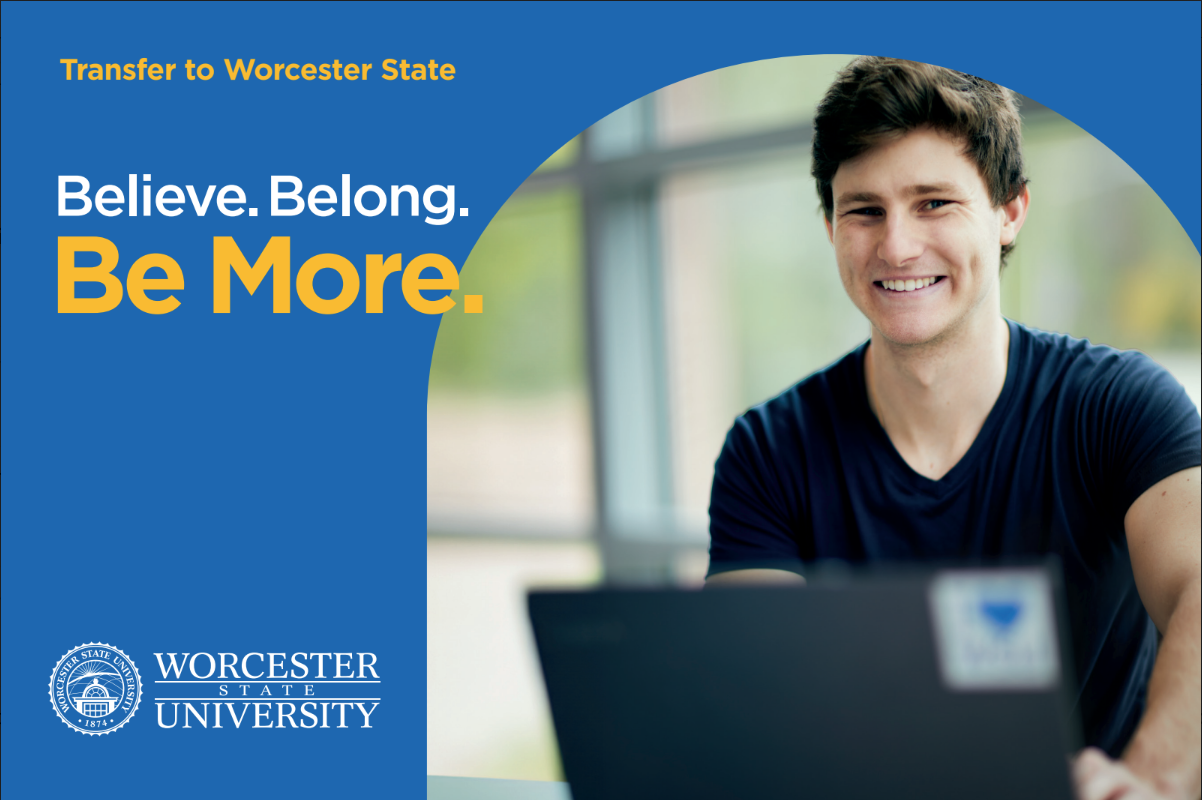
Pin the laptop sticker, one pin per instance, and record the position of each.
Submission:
(995, 630)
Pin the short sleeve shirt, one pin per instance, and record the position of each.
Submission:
(1077, 434)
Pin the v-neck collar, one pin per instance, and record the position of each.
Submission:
(880, 441)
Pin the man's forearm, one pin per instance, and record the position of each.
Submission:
(1167, 748)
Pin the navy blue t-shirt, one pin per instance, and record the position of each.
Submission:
(1078, 433)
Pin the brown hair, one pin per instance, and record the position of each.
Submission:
(875, 99)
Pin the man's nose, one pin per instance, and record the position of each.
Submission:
(901, 241)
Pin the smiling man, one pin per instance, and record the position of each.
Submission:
(954, 433)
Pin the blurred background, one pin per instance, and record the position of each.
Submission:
(658, 275)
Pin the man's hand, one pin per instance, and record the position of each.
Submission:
(1096, 777)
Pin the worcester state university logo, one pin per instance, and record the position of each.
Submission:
(95, 689)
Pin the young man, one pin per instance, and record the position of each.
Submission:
(956, 434)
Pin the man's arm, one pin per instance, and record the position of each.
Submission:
(755, 577)
(1163, 538)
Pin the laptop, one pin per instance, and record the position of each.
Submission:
(947, 683)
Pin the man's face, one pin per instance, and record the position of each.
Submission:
(917, 241)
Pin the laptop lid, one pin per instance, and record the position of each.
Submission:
(939, 684)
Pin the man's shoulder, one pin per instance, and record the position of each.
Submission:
(1049, 362)
(1063, 347)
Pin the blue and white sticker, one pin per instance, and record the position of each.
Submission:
(995, 630)
(95, 688)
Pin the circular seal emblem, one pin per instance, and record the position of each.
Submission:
(95, 688)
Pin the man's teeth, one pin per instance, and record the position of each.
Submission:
(908, 285)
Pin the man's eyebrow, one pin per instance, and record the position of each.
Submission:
(910, 191)
(932, 188)
(857, 197)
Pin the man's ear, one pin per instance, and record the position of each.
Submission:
(1014, 214)
(830, 229)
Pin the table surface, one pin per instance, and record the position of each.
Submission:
(438, 788)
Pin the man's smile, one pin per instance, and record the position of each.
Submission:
(895, 285)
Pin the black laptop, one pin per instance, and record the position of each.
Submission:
(930, 684)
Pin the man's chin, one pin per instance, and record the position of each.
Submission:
(911, 333)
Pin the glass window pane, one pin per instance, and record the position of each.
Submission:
(1101, 257)
(508, 428)
(753, 303)
(747, 98)
(486, 709)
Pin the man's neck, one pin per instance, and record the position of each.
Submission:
(933, 399)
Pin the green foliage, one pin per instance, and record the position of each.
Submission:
(1100, 256)
(530, 338)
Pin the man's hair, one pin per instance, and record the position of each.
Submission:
(876, 99)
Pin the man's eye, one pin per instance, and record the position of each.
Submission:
(934, 204)
(867, 211)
